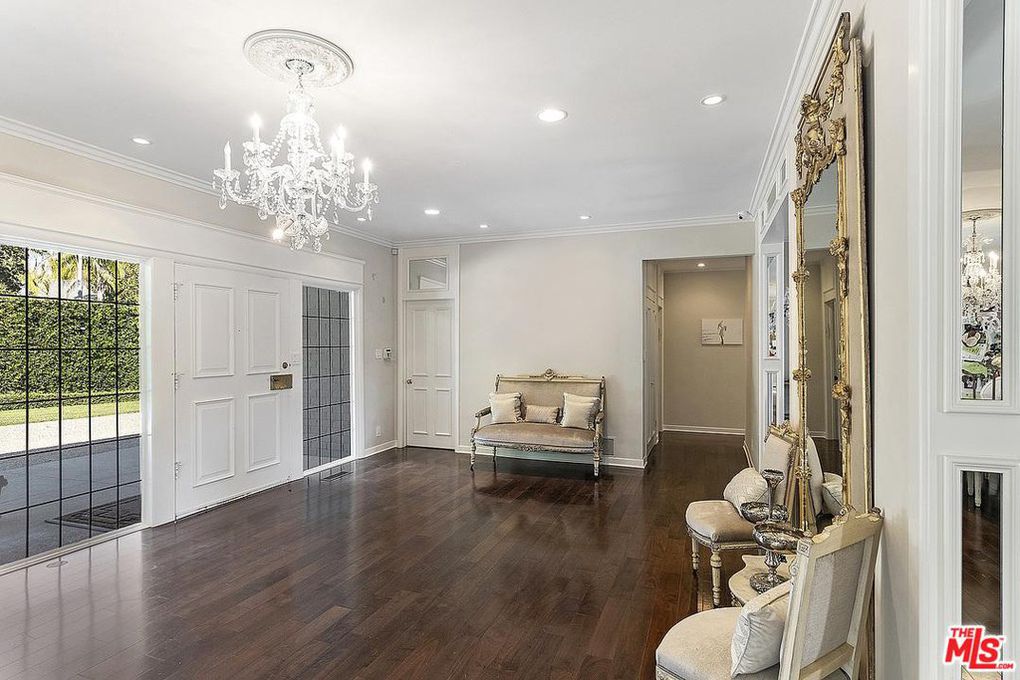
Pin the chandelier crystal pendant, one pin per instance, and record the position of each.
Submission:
(294, 177)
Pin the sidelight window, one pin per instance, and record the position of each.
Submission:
(69, 399)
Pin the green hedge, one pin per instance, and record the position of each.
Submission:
(69, 347)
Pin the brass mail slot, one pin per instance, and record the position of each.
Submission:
(281, 381)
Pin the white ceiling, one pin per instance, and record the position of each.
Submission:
(443, 98)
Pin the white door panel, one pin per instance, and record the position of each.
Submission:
(213, 458)
(430, 395)
(230, 427)
(263, 331)
(265, 435)
(212, 336)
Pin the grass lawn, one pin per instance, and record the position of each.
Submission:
(47, 413)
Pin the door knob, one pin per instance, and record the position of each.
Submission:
(409, 381)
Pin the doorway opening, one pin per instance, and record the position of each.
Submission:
(697, 345)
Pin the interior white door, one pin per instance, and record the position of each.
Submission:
(230, 427)
(429, 385)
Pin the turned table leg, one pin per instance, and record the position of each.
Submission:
(694, 555)
(716, 562)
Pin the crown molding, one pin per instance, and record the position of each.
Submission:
(813, 44)
(374, 239)
(705, 221)
(91, 152)
(18, 180)
(60, 142)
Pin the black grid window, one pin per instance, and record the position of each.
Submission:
(69, 399)
(327, 376)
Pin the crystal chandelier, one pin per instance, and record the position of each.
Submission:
(293, 177)
(980, 277)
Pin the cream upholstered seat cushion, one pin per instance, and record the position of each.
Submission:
(537, 434)
(698, 648)
(718, 521)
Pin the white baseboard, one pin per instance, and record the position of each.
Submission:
(555, 457)
(379, 448)
(697, 429)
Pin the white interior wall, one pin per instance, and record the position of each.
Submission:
(54, 197)
(574, 304)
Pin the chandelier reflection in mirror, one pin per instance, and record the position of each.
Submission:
(981, 279)
(293, 177)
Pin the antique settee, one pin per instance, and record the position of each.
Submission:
(546, 389)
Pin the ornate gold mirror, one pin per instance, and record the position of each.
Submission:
(831, 358)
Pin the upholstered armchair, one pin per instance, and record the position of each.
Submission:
(815, 628)
(717, 524)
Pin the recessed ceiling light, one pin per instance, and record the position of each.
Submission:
(432, 211)
(552, 115)
(483, 226)
(701, 265)
(361, 219)
(584, 217)
(713, 100)
(141, 141)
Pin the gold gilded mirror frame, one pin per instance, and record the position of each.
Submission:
(830, 131)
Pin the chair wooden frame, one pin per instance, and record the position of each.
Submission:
(849, 656)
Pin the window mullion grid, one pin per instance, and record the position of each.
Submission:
(88, 410)
(60, 400)
(116, 386)
(26, 385)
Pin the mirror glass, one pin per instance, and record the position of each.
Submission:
(772, 328)
(981, 187)
(981, 540)
(427, 274)
(772, 397)
(821, 320)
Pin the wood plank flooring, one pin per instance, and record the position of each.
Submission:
(409, 567)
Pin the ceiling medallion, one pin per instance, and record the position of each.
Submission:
(304, 186)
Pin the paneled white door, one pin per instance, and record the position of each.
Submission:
(230, 428)
(429, 384)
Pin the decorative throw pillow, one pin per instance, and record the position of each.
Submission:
(747, 486)
(506, 407)
(534, 413)
(832, 493)
(579, 411)
(758, 638)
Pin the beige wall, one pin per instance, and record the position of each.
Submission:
(704, 386)
(573, 304)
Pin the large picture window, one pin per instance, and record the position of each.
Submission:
(69, 399)
(327, 376)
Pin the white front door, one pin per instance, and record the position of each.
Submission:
(230, 428)
(429, 383)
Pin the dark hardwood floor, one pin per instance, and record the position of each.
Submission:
(409, 567)
(982, 559)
